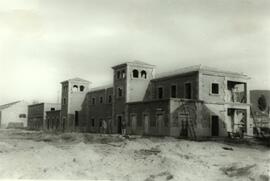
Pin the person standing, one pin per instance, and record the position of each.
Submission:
(234, 94)
(100, 126)
(104, 125)
(242, 127)
(123, 128)
(109, 126)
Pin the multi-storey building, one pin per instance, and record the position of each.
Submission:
(193, 101)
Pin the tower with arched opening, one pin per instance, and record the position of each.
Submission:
(131, 80)
(73, 94)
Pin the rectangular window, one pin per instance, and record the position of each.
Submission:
(160, 92)
(173, 91)
(20, 116)
(64, 101)
(187, 90)
(215, 88)
(52, 109)
(93, 101)
(101, 100)
(120, 92)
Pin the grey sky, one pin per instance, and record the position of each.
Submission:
(43, 42)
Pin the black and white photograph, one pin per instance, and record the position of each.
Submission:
(135, 90)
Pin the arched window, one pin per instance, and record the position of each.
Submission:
(75, 88)
(81, 88)
(120, 92)
(123, 74)
(144, 74)
(135, 73)
(64, 101)
(118, 75)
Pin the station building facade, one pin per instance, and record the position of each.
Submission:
(189, 102)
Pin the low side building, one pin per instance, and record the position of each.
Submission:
(37, 114)
(53, 120)
(13, 115)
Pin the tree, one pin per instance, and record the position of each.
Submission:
(262, 104)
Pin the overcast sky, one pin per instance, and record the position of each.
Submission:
(43, 42)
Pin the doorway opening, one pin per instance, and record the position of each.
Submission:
(76, 118)
(188, 91)
(119, 121)
(215, 126)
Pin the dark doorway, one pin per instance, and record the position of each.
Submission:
(119, 120)
(215, 126)
(64, 124)
(76, 118)
(184, 126)
(173, 91)
(160, 92)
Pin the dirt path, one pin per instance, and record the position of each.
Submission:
(35, 155)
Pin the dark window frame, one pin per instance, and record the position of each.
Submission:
(215, 88)
(93, 100)
(82, 88)
(144, 74)
(22, 115)
(75, 88)
(101, 100)
(135, 73)
(118, 74)
(110, 99)
(120, 92)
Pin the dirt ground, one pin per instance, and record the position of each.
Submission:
(36, 155)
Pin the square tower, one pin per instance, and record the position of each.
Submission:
(130, 83)
(73, 94)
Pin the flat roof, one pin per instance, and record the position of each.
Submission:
(197, 68)
(76, 79)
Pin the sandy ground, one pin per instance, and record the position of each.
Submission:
(35, 155)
